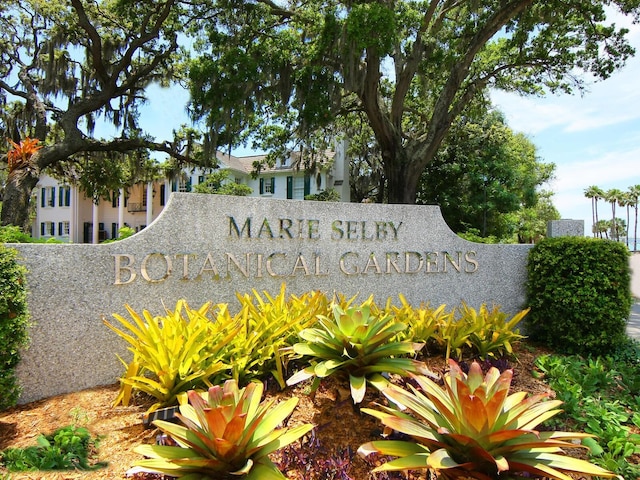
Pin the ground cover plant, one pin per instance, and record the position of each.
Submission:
(68, 448)
(600, 397)
(326, 452)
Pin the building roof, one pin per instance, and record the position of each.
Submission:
(246, 164)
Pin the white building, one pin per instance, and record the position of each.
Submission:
(64, 213)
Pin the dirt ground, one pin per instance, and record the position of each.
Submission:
(339, 425)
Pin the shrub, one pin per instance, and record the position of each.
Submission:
(173, 353)
(579, 293)
(14, 321)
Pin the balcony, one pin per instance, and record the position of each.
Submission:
(136, 207)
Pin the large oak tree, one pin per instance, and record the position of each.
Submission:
(282, 70)
(64, 66)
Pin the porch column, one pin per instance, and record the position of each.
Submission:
(121, 210)
(95, 230)
(149, 203)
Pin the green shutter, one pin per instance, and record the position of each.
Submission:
(273, 185)
(307, 185)
(289, 188)
(261, 186)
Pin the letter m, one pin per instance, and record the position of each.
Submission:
(233, 228)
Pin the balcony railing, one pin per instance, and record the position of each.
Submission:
(136, 207)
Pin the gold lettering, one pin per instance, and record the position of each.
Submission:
(285, 225)
(364, 231)
(407, 262)
(314, 225)
(300, 264)
(470, 257)
(232, 259)
(265, 227)
(259, 266)
(352, 232)
(381, 230)
(317, 272)
(128, 267)
(395, 229)
(343, 268)
(209, 266)
(392, 262)
(449, 257)
(145, 272)
(233, 227)
(185, 264)
(336, 230)
(372, 262)
(270, 270)
(432, 260)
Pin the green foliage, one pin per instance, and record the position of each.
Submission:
(579, 293)
(267, 332)
(13, 234)
(330, 195)
(600, 397)
(68, 448)
(225, 431)
(173, 353)
(483, 174)
(218, 183)
(14, 323)
(475, 429)
(123, 232)
(358, 344)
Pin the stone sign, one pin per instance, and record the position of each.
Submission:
(208, 247)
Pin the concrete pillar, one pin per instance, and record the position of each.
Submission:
(96, 225)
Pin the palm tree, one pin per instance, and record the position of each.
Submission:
(634, 195)
(594, 193)
(625, 201)
(613, 197)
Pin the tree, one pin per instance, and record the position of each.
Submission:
(595, 193)
(613, 196)
(483, 173)
(218, 183)
(67, 65)
(411, 68)
(634, 194)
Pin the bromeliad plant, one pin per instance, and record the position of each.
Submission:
(225, 431)
(173, 353)
(358, 344)
(474, 429)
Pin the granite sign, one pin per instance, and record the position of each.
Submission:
(208, 247)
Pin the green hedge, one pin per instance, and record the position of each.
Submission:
(579, 293)
(13, 324)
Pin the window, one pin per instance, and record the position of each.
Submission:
(298, 187)
(47, 229)
(181, 185)
(267, 186)
(63, 229)
(48, 197)
(64, 196)
(162, 194)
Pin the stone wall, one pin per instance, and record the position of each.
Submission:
(207, 247)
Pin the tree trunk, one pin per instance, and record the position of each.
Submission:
(17, 197)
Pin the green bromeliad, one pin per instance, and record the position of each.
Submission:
(474, 429)
(358, 344)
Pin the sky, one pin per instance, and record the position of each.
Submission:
(593, 138)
